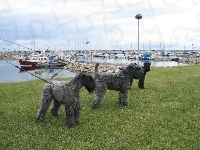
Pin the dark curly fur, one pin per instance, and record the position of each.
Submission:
(66, 93)
(115, 81)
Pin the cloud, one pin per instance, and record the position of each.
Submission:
(55, 23)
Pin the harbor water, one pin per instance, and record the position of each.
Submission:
(9, 73)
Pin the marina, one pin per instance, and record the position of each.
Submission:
(68, 63)
(9, 73)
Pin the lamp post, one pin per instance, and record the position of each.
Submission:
(33, 35)
(138, 17)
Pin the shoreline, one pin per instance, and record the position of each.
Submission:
(186, 59)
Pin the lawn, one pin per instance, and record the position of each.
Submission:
(165, 115)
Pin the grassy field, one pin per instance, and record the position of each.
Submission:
(165, 115)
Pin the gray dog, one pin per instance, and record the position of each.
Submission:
(66, 93)
(115, 81)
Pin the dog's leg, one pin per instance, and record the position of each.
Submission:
(123, 97)
(46, 101)
(55, 108)
(77, 113)
(131, 82)
(141, 83)
(69, 116)
(98, 96)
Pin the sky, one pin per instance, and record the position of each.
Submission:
(106, 25)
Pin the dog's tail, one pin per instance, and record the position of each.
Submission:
(53, 76)
(96, 70)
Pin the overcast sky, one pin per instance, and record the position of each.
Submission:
(111, 24)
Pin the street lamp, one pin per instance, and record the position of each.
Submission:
(138, 16)
(33, 35)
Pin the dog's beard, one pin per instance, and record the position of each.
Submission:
(90, 89)
(90, 86)
(147, 67)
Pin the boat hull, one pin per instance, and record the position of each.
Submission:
(26, 63)
(50, 65)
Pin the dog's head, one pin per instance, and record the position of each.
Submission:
(88, 81)
(135, 71)
(147, 66)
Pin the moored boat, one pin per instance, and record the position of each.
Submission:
(51, 65)
(33, 61)
(40, 62)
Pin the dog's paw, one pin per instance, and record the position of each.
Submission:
(95, 106)
(39, 116)
(39, 119)
(71, 125)
(124, 103)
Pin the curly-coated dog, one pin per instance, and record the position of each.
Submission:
(146, 68)
(66, 93)
(115, 81)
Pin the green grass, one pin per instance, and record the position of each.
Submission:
(165, 115)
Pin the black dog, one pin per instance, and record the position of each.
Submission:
(146, 68)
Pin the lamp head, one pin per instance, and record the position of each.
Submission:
(138, 16)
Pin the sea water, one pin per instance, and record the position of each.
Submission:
(10, 73)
